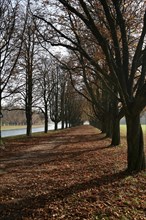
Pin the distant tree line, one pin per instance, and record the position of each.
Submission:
(30, 77)
(17, 117)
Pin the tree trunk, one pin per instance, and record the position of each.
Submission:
(115, 122)
(116, 132)
(109, 126)
(28, 100)
(46, 118)
(29, 123)
(46, 122)
(56, 125)
(135, 154)
(63, 105)
(0, 113)
(103, 125)
(66, 124)
(62, 124)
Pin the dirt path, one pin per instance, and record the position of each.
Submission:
(44, 149)
(71, 174)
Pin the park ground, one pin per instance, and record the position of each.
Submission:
(70, 174)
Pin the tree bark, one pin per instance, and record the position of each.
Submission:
(46, 118)
(29, 123)
(29, 104)
(56, 125)
(103, 124)
(0, 110)
(66, 124)
(116, 132)
(46, 123)
(116, 115)
(62, 124)
(109, 125)
(135, 153)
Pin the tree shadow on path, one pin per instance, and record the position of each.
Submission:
(18, 209)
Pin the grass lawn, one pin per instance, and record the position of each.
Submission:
(123, 131)
(12, 127)
(123, 135)
(123, 128)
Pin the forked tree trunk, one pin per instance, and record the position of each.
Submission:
(116, 132)
(135, 154)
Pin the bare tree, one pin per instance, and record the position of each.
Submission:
(55, 98)
(11, 38)
(73, 106)
(107, 22)
(27, 67)
(45, 85)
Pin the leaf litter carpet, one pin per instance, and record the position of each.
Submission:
(69, 174)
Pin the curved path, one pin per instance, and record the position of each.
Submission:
(69, 174)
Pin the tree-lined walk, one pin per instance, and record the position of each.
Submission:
(77, 60)
(109, 53)
(71, 62)
(68, 174)
(31, 79)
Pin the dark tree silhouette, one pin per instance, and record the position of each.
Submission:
(107, 22)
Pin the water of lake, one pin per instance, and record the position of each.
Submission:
(15, 132)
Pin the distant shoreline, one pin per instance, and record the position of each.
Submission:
(14, 127)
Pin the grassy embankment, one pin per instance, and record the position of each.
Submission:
(123, 134)
(12, 127)
(122, 129)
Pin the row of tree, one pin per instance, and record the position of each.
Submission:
(103, 61)
(18, 117)
(30, 78)
(107, 53)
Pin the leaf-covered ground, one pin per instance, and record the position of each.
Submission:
(70, 174)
